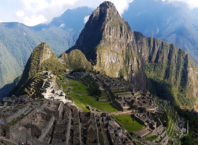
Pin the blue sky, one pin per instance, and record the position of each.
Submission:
(8, 9)
(32, 12)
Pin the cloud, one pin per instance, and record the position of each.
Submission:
(39, 11)
(20, 13)
(62, 25)
(86, 18)
(32, 12)
(191, 3)
(122, 5)
(34, 20)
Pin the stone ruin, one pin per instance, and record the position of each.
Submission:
(134, 100)
(58, 121)
(103, 81)
(64, 124)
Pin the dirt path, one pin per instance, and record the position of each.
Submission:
(123, 113)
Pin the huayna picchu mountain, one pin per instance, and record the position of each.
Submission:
(115, 50)
(108, 42)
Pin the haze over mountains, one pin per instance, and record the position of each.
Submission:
(172, 22)
(151, 17)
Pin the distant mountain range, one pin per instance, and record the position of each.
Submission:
(172, 22)
(17, 41)
(169, 22)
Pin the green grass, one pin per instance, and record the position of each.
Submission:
(103, 94)
(172, 116)
(171, 127)
(9, 104)
(183, 101)
(80, 95)
(171, 120)
(151, 138)
(129, 123)
(138, 143)
(19, 106)
(101, 139)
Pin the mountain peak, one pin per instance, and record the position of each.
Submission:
(43, 44)
(104, 23)
(107, 5)
(106, 9)
(108, 42)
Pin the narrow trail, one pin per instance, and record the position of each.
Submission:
(130, 112)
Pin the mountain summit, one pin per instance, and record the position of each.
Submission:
(108, 42)
(93, 31)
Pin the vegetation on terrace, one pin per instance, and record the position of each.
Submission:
(129, 123)
(80, 93)
(151, 138)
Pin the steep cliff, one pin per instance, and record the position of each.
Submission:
(167, 62)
